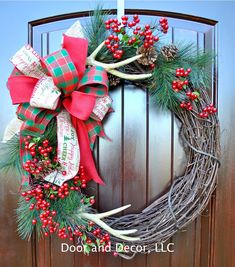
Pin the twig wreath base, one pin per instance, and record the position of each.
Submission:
(189, 194)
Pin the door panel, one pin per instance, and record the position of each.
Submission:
(137, 166)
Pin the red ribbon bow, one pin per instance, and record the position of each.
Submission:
(80, 89)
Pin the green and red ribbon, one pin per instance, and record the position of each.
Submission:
(80, 88)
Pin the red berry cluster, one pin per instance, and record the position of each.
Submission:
(41, 154)
(112, 43)
(41, 203)
(132, 23)
(41, 196)
(148, 38)
(186, 105)
(179, 84)
(164, 25)
(191, 95)
(113, 24)
(33, 149)
(207, 111)
(180, 72)
(104, 239)
(140, 35)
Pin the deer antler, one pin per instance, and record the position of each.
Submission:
(110, 67)
(96, 218)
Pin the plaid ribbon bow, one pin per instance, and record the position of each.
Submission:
(63, 81)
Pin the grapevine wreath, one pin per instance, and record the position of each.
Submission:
(62, 100)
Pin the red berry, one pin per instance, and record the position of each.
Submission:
(135, 17)
(34, 221)
(115, 38)
(37, 171)
(146, 45)
(23, 194)
(83, 185)
(124, 18)
(52, 196)
(64, 173)
(147, 26)
(107, 41)
(92, 201)
(53, 213)
(156, 38)
(32, 148)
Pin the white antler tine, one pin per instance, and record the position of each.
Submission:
(110, 66)
(117, 233)
(111, 212)
(131, 77)
(127, 232)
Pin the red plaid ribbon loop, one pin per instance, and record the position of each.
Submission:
(61, 68)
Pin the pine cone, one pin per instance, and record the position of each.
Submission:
(113, 80)
(149, 55)
(169, 51)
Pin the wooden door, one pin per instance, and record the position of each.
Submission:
(141, 161)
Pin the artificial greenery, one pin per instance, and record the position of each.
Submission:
(96, 33)
(164, 73)
(68, 210)
(160, 85)
(10, 157)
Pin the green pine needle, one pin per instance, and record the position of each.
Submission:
(96, 33)
(10, 157)
(24, 218)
